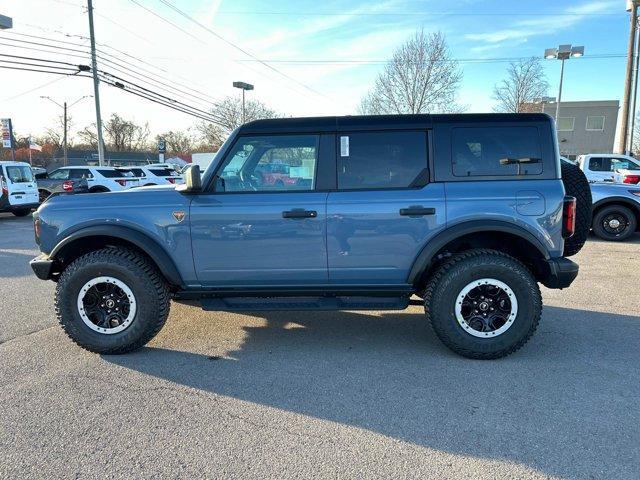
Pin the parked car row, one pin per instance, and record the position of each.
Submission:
(25, 187)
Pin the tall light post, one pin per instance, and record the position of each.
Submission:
(244, 87)
(65, 107)
(562, 53)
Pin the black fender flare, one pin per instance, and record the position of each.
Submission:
(627, 202)
(425, 257)
(144, 242)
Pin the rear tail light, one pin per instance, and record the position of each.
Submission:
(569, 216)
(122, 182)
(631, 179)
(171, 180)
(67, 185)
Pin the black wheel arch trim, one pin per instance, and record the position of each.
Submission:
(425, 257)
(141, 240)
(627, 202)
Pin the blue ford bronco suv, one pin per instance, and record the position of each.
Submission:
(467, 212)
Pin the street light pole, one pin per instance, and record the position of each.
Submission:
(559, 92)
(243, 86)
(65, 123)
(96, 93)
(562, 53)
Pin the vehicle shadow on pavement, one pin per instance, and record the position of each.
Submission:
(550, 406)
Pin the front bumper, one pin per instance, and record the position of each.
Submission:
(42, 266)
(561, 272)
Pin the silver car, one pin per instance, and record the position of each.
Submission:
(616, 210)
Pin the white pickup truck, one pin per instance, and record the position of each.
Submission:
(608, 167)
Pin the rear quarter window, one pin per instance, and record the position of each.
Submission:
(496, 151)
(161, 172)
(114, 173)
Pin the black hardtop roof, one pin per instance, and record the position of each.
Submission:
(381, 122)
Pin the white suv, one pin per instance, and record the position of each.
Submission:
(99, 179)
(155, 174)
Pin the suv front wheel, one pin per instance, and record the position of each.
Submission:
(483, 304)
(112, 301)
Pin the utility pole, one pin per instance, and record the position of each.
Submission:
(634, 95)
(96, 93)
(632, 6)
(65, 123)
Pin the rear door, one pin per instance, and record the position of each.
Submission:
(248, 232)
(21, 185)
(384, 210)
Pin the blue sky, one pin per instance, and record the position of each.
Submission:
(292, 35)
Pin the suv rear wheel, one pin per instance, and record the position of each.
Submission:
(112, 301)
(483, 304)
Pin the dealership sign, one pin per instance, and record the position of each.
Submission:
(7, 133)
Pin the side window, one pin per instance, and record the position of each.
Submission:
(623, 163)
(80, 173)
(59, 174)
(598, 164)
(270, 163)
(496, 151)
(380, 159)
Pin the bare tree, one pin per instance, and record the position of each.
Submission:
(55, 135)
(525, 83)
(120, 134)
(212, 136)
(421, 77)
(178, 142)
(229, 114)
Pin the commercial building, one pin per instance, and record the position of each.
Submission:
(583, 127)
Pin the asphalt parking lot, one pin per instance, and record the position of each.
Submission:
(323, 395)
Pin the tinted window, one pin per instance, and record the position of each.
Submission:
(610, 164)
(271, 163)
(61, 174)
(19, 173)
(137, 172)
(496, 151)
(80, 173)
(380, 160)
(115, 173)
(161, 172)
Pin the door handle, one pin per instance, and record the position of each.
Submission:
(299, 213)
(417, 211)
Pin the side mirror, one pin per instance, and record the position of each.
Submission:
(192, 180)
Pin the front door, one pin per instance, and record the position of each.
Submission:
(258, 227)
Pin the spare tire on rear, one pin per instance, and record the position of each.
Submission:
(576, 184)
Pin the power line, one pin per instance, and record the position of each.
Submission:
(120, 60)
(416, 14)
(237, 47)
(39, 70)
(26, 92)
(119, 80)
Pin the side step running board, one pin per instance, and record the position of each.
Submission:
(234, 304)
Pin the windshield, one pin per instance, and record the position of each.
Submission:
(19, 173)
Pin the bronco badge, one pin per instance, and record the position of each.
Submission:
(179, 216)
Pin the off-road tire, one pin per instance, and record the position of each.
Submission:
(448, 281)
(22, 212)
(598, 223)
(576, 184)
(139, 274)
